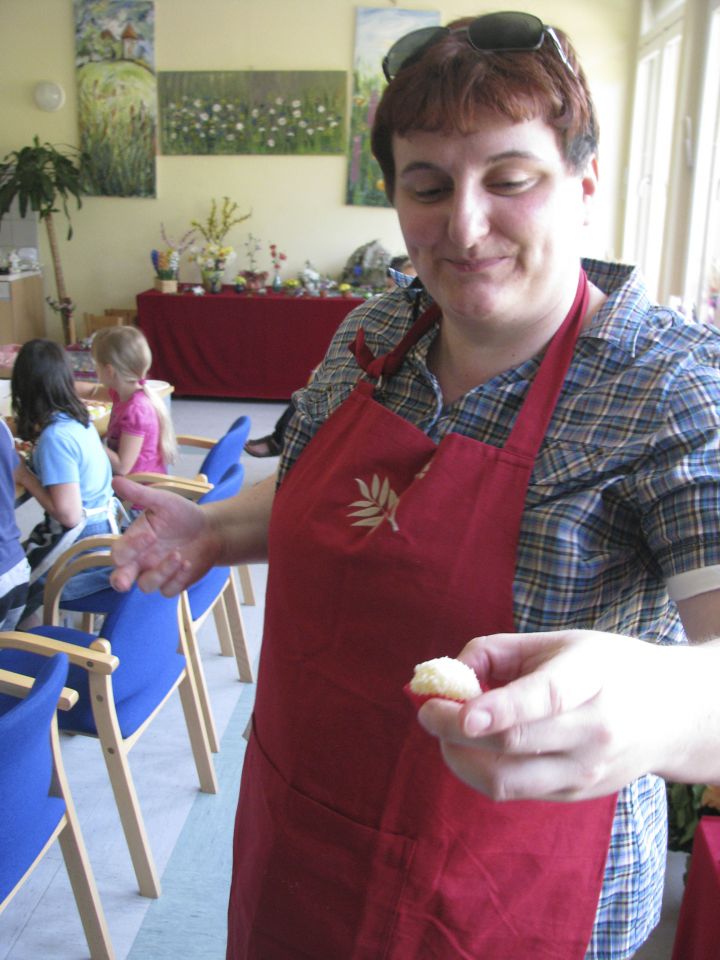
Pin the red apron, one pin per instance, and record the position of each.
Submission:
(353, 841)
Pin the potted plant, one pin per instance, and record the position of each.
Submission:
(41, 177)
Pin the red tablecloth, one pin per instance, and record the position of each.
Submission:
(261, 346)
(698, 931)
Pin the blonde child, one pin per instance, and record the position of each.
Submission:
(140, 435)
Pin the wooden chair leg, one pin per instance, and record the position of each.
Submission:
(222, 625)
(233, 612)
(198, 736)
(78, 866)
(116, 761)
(85, 891)
(246, 586)
(195, 663)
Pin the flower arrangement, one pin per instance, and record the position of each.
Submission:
(254, 278)
(252, 248)
(276, 257)
(219, 222)
(214, 255)
(166, 263)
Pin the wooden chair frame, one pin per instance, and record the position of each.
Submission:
(67, 832)
(100, 663)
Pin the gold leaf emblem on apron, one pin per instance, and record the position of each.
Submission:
(379, 503)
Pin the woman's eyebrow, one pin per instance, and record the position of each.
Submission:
(494, 158)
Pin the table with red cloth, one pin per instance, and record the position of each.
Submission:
(254, 346)
(697, 936)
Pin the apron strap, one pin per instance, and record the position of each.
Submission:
(389, 363)
(58, 538)
(531, 423)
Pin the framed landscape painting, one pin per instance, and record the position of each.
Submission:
(375, 32)
(117, 96)
(252, 111)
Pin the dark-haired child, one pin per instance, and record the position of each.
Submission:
(69, 473)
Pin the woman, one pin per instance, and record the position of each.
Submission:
(518, 445)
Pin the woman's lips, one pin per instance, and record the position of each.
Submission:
(479, 265)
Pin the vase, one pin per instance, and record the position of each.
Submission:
(212, 280)
(166, 286)
(277, 283)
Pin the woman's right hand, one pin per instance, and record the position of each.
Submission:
(170, 545)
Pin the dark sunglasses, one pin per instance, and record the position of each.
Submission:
(492, 33)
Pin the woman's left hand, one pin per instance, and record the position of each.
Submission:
(570, 715)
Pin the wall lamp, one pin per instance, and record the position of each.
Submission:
(49, 96)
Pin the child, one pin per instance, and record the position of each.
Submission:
(140, 435)
(69, 473)
(14, 568)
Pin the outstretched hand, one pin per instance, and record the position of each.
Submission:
(570, 715)
(168, 547)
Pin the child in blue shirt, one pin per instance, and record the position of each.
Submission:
(69, 473)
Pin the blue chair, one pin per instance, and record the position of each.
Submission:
(214, 593)
(221, 455)
(123, 679)
(35, 800)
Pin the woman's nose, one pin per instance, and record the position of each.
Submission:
(469, 218)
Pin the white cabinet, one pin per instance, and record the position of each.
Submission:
(22, 307)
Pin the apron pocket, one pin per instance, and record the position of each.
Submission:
(309, 882)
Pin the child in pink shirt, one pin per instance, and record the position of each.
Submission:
(140, 435)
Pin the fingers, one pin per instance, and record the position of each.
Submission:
(171, 575)
(557, 777)
(532, 677)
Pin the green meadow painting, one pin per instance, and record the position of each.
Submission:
(258, 111)
(117, 96)
(375, 32)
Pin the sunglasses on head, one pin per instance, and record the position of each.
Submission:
(491, 33)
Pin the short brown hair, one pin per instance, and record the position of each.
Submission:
(446, 87)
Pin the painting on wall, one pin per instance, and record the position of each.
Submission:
(252, 111)
(117, 95)
(375, 32)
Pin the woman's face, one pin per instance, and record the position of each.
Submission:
(493, 221)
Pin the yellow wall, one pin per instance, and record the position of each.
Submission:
(296, 202)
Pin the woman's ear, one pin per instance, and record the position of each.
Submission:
(589, 182)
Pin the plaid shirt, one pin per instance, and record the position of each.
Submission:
(624, 496)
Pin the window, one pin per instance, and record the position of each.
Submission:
(656, 83)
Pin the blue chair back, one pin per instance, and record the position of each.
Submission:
(144, 634)
(29, 814)
(227, 451)
(204, 593)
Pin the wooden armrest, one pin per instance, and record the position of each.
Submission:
(96, 658)
(146, 477)
(66, 568)
(190, 440)
(185, 487)
(101, 541)
(18, 685)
